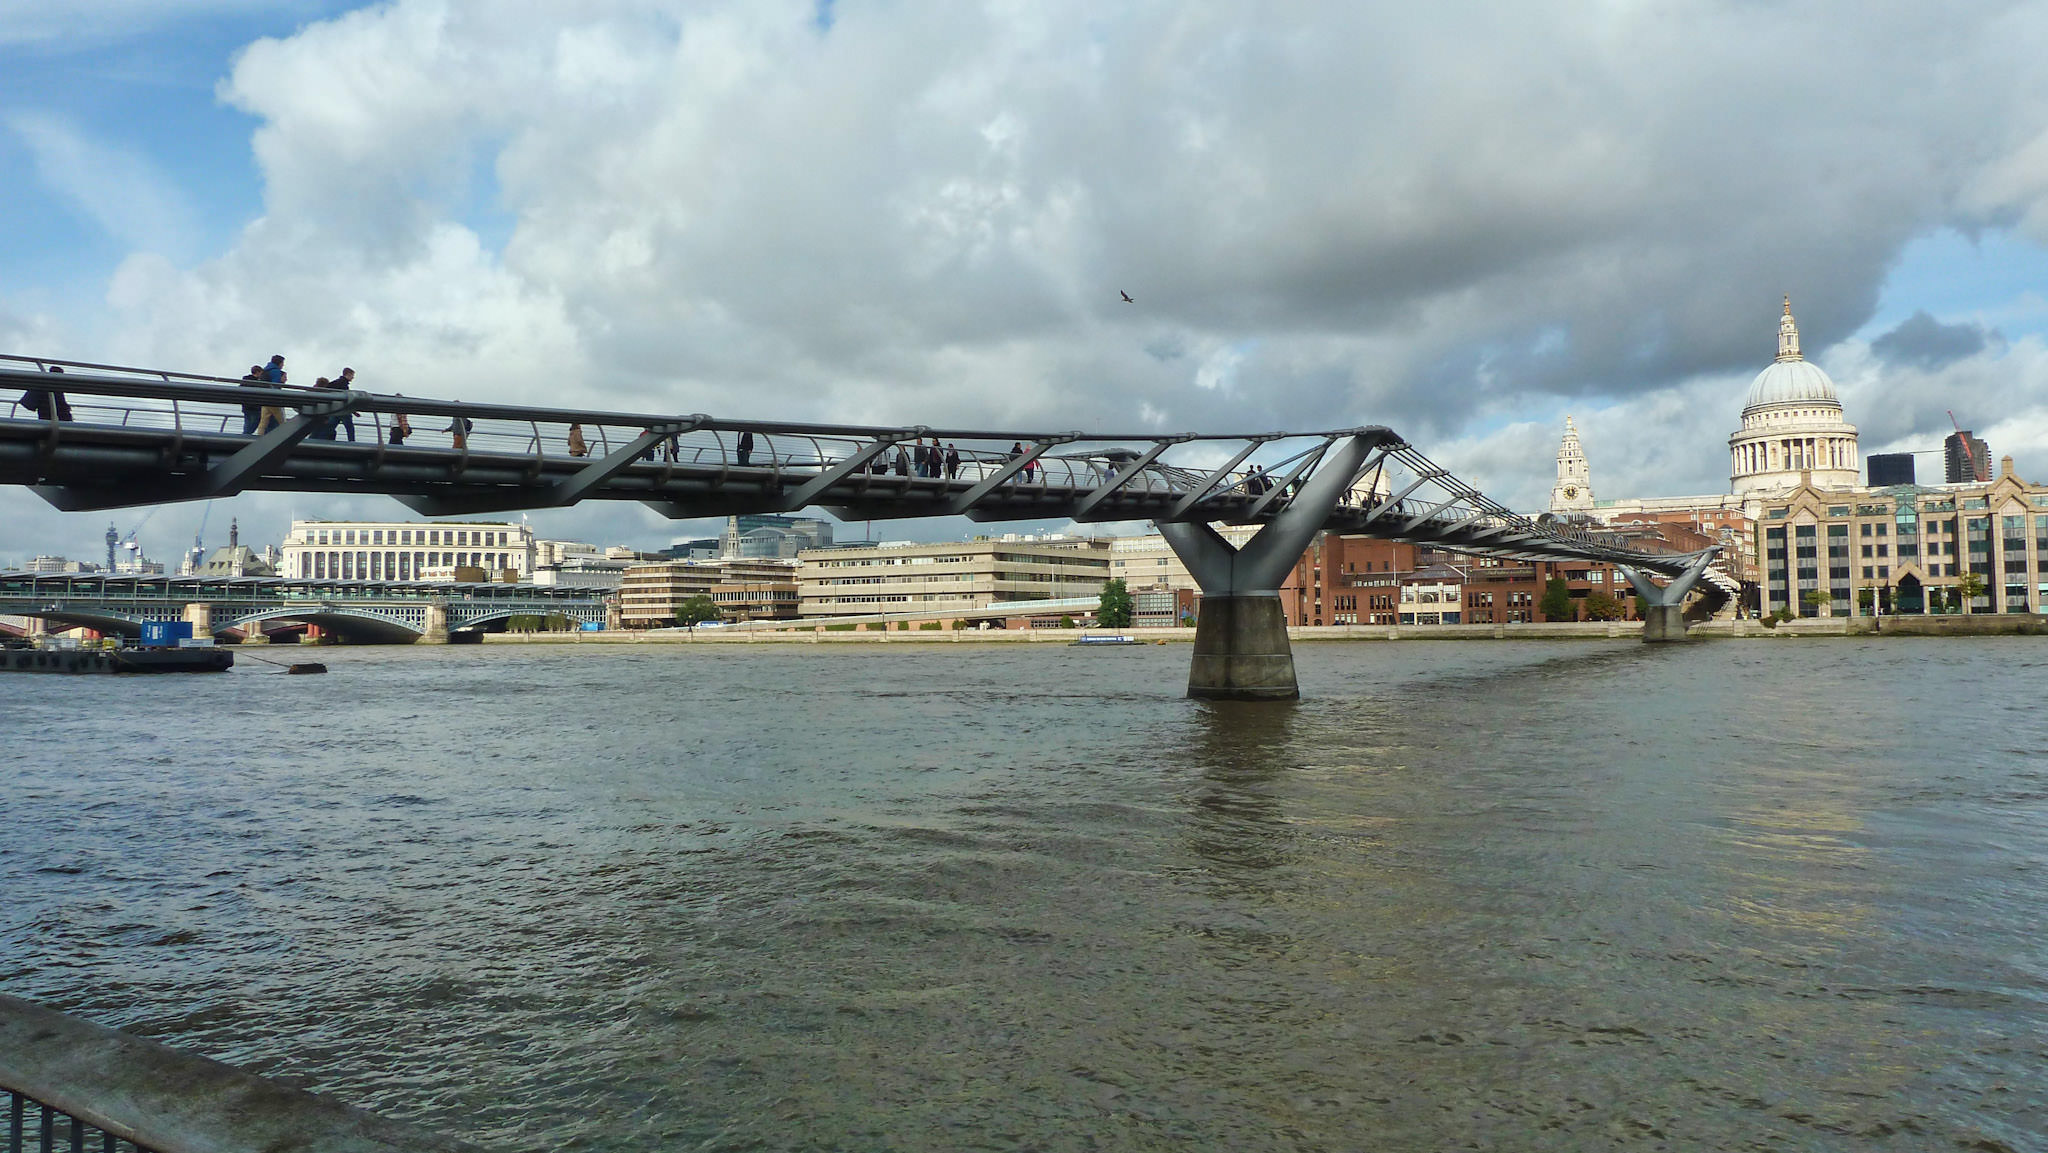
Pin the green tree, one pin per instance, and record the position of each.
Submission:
(1866, 598)
(1969, 587)
(696, 611)
(1818, 600)
(1115, 609)
(1601, 607)
(1556, 604)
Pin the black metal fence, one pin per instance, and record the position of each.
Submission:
(36, 1127)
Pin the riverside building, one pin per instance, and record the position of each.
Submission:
(956, 575)
(651, 595)
(1905, 550)
(404, 550)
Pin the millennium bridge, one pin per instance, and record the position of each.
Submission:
(263, 608)
(141, 436)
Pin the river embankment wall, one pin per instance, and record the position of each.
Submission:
(1982, 625)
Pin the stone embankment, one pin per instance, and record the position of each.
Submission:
(1981, 625)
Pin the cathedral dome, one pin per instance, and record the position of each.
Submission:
(1789, 379)
(1791, 382)
(1792, 428)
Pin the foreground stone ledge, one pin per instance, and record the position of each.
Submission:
(175, 1102)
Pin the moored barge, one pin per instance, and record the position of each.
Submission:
(85, 661)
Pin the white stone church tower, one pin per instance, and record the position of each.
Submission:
(1573, 492)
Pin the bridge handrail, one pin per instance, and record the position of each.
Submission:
(223, 390)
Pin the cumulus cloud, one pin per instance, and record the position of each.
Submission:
(1455, 219)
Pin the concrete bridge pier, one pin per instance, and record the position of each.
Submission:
(200, 616)
(1241, 651)
(1241, 648)
(437, 624)
(1664, 608)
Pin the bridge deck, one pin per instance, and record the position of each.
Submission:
(143, 437)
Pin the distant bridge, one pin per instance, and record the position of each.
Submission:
(363, 611)
(149, 437)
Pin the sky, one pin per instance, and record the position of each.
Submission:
(1465, 221)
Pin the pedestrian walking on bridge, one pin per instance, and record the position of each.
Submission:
(252, 414)
(47, 403)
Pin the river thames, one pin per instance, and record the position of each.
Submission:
(1484, 895)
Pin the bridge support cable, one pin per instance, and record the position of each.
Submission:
(1209, 483)
(1123, 476)
(224, 479)
(562, 493)
(1241, 646)
(1274, 491)
(1664, 608)
(1010, 468)
(857, 461)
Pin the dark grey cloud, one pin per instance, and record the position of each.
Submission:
(1926, 343)
(1368, 192)
(1442, 217)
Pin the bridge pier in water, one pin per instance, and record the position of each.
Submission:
(437, 624)
(1664, 608)
(1241, 648)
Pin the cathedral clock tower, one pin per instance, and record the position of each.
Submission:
(1573, 492)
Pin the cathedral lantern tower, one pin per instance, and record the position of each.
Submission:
(1573, 492)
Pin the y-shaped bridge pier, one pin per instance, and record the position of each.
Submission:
(137, 436)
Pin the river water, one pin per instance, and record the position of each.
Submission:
(1485, 895)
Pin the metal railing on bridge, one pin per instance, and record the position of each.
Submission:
(140, 436)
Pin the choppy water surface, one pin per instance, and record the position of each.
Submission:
(1483, 895)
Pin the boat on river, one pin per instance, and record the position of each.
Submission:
(1107, 639)
(83, 661)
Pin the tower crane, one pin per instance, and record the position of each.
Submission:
(197, 556)
(116, 541)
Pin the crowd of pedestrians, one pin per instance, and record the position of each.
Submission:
(926, 459)
(259, 418)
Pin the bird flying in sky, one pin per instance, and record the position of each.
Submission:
(1126, 296)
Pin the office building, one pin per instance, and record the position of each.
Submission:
(405, 550)
(1885, 469)
(1906, 549)
(1966, 459)
(954, 575)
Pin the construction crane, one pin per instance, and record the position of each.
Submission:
(116, 541)
(1963, 438)
(197, 556)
